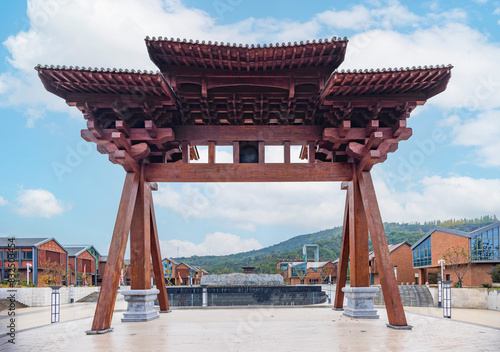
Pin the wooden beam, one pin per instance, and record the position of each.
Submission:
(262, 152)
(94, 128)
(343, 259)
(226, 135)
(185, 152)
(151, 128)
(123, 127)
(268, 172)
(126, 160)
(236, 152)
(109, 288)
(392, 298)
(140, 238)
(211, 152)
(344, 128)
(358, 237)
(311, 152)
(120, 141)
(156, 258)
(399, 127)
(286, 150)
(136, 135)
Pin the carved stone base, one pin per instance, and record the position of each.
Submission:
(140, 305)
(360, 302)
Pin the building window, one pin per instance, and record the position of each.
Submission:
(313, 281)
(28, 255)
(11, 255)
(485, 246)
(422, 254)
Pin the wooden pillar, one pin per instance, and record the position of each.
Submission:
(358, 237)
(140, 239)
(156, 259)
(286, 150)
(392, 298)
(109, 288)
(211, 152)
(344, 255)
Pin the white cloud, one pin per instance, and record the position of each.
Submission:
(39, 203)
(3, 201)
(475, 78)
(439, 198)
(217, 243)
(310, 206)
(33, 115)
(481, 132)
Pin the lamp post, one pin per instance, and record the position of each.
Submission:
(28, 273)
(440, 283)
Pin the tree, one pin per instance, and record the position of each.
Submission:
(301, 272)
(326, 271)
(52, 273)
(458, 260)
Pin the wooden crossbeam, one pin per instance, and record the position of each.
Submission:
(268, 172)
(136, 135)
(109, 288)
(392, 298)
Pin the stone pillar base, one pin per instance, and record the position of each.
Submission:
(140, 305)
(360, 302)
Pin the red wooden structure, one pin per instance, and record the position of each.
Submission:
(209, 94)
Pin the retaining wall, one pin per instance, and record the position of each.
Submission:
(40, 296)
(246, 295)
(465, 297)
(494, 299)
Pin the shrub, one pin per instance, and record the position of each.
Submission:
(487, 285)
(432, 278)
(495, 273)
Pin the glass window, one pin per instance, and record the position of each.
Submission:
(484, 246)
(422, 254)
(11, 255)
(28, 255)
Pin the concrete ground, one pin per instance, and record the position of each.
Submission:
(312, 328)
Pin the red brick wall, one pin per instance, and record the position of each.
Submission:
(442, 241)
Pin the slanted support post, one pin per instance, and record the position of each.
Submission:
(157, 260)
(358, 237)
(392, 297)
(359, 295)
(344, 256)
(140, 239)
(140, 299)
(109, 288)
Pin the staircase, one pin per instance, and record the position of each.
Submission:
(5, 304)
(89, 298)
(412, 296)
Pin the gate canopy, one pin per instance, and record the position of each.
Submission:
(221, 94)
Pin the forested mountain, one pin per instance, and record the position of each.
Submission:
(265, 259)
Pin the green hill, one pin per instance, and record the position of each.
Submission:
(265, 259)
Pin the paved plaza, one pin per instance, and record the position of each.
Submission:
(316, 328)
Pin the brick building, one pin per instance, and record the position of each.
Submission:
(34, 251)
(482, 246)
(83, 261)
(307, 273)
(401, 256)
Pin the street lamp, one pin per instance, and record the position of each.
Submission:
(440, 283)
(28, 273)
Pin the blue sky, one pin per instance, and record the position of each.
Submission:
(52, 183)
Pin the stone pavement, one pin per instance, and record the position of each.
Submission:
(316, 328)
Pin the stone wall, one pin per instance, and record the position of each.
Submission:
(466, 297)
(494, 299)
(40, 296)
